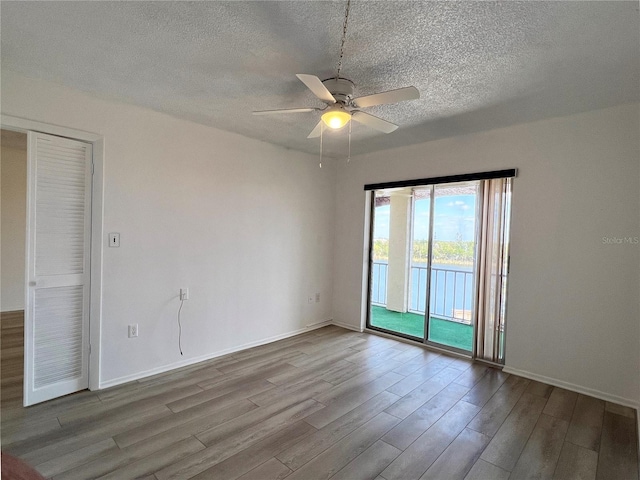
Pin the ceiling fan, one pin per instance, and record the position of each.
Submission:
(342, 107)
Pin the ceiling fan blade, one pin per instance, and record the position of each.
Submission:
(315, 133)
(392, 96)
(373, 122)
(285, 110)
(314, 84)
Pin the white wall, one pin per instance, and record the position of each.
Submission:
(573, 307)
(13, 225)
(249, 228)
(245, 225)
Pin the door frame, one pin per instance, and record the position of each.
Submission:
(366, 314)
(18, 124)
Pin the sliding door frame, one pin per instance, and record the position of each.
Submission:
(372, 210)
(431, 183)
(427, 299)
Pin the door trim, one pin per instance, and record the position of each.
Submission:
(97, 212)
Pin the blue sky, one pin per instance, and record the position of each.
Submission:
(454, 214)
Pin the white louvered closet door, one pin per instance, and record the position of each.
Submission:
(56, 355)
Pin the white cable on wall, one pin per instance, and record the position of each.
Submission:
(180, 328)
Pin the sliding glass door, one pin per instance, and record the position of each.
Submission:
(433, 264)
(451, 298)
(390, 290)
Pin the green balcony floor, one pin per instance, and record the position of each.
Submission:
(445, 332)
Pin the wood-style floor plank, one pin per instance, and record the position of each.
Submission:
(157, 460)
(329, 403)
(37, 451)
(344, 451)
(324, 438)
(482, 470)
(585, 428)
(369, 463)
(618, 448)
(260, 422)
(561, 403)
(494, 412)
(418, 457)
(539, 388)
(472, 375)
(233, 388)
(194, 421)
(352, 399)
(364, 380)
(540, 455)
(257, 454)
(486, 387)
(620, 410)
(417, 363)
(105, 411)
(458, 458)
(77, 458)
(295, 392)
(407, 431)
(417, 378)
(576, 463)
(272, 469)
(413, 400)
(507, 444)
(119, 458)
(20, 431)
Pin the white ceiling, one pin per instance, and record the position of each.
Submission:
(478, 65)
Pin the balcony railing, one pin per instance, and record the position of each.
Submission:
(451, 291)
(379, 287)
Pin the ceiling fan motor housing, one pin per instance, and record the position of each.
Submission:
(341, 89)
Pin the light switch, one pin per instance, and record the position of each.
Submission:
(114, 239)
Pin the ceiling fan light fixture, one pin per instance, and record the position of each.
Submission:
(336, 117)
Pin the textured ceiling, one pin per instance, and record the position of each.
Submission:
(478, 65)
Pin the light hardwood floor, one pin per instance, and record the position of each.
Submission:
(326, 404)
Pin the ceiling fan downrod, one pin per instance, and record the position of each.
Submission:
(344, 38)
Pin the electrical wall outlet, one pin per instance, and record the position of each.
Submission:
(317, 298)
(184, 294)
(133, 330)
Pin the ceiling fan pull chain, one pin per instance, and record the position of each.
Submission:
(344, 37)
(349, 156)
(321, 130)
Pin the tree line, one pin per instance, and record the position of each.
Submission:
(457, 252)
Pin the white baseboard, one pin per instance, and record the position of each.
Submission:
(210, 356)
(347, 326)
(627, 402)
(314, 326)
